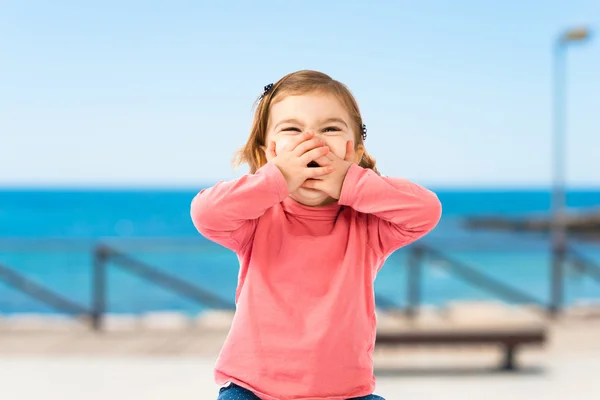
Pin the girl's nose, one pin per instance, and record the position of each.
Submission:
(318, 135)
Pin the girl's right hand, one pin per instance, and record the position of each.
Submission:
(294, 158)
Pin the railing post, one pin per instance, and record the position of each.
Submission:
(413, 288)
(557, 283)
(99, 287)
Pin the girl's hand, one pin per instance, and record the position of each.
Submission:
(293, 160)
(331, 184)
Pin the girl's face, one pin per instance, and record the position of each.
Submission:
(321, 113)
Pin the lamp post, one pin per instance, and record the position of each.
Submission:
(559, 234)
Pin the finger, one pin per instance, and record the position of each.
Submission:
(270, 151)
(308, 145)
(315, 173)
(304, 136)
(324, 161)
(320, 177)
(349, 151)
(311, 184)
(331, 156)
(313, 154)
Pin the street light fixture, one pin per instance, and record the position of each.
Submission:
(576, 34)
(559, 236)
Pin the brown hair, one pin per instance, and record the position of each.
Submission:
(297, 83)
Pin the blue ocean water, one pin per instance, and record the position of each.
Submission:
(49, 236)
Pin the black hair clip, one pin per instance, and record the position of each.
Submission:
(364, 130)
(266, 90)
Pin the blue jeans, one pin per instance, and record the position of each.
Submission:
(234, 392)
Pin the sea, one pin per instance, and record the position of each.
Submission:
(48, 239)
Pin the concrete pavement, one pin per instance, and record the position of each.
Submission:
(115, 378)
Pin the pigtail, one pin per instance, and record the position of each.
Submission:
(252, 153)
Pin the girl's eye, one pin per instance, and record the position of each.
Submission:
(331, 129)
(290, 129)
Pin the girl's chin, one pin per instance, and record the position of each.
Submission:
(310, 197)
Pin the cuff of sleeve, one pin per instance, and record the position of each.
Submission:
(276, 180)
(348, 193)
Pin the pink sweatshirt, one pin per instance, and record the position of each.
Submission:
(304, 327)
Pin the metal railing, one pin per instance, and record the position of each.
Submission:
(463, 271)
(469, 274)
(583, 264)
(105, 256)
(41, 293)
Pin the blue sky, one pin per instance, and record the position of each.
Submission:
(159, 93)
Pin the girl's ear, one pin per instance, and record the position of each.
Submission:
(358, 153)
(268, 152)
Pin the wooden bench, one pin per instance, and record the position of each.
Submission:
(509, 339)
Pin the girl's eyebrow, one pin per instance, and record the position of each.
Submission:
(334, 119)
(288, 121)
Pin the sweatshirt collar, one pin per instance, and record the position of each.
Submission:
(291, 206)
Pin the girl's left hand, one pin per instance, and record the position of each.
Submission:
(331, 184)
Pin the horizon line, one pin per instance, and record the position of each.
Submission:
(182, 188)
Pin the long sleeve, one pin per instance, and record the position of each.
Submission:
(227, 212)
(399, 212)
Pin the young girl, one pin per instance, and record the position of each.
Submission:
(312, 224)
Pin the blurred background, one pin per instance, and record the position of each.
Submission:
(113, 115)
